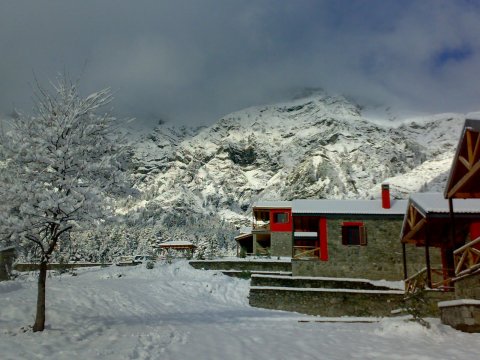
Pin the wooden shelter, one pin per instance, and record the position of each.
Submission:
(244, 243)
(181, 245)
(428, 224)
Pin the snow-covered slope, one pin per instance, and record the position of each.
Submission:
(320, 146)
(177, 312)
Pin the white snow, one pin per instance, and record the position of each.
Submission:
(176, 312)
(459, 302)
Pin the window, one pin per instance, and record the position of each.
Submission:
(354, 234)
(280, 218)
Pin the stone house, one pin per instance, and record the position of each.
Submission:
(341, 238)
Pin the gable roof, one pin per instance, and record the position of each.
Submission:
(435, 203)
(273, 204)
(348, 207)
(464, 178)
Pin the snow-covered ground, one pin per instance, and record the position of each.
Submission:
(176, 312)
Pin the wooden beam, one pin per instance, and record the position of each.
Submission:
(477, 147)
(469, 146)
(465, 162)
(414, 230)
(475, 168)
(404, 258)
(467, 195)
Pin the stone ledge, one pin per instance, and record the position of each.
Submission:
(461, 314)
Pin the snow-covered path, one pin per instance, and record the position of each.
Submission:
(176, 312)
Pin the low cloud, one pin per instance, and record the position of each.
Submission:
(192, 62)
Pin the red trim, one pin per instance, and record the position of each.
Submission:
(385, 196)
(323, 239)
(280, 226)
(349, 223)
(474, 230)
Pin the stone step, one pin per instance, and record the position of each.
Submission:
(318, 282)
(245, 274)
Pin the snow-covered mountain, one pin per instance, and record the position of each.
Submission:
(318, 146)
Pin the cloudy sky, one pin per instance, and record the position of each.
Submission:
(192, 61)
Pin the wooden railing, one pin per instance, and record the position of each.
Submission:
(419, 281)
(467, 257)
(304, 252)
(262, 251)
(261, 225)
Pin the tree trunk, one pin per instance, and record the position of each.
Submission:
(40, 318)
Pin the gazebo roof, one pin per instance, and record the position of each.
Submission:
(180, 244)
(431, 210)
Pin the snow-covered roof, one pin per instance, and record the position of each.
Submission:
(273, 204)
(176, 243)
(436, 203)
(243, 236)
(353, 207)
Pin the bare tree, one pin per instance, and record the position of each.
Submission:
(60, 170)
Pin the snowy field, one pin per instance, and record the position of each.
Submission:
(176, 312)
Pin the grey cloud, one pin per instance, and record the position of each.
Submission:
(193, 61)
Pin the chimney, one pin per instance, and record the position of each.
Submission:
(385, 196)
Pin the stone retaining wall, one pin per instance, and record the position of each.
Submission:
(56, 266)
(242, 265)
(326, 302)
(342, 302)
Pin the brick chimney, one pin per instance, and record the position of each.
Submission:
(385, 196)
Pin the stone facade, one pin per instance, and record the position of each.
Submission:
(381, 258)
(281, 244)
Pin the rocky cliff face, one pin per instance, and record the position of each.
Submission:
(319, 146)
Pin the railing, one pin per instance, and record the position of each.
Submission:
(261, 225)
(304, 252)
(467, 257)
(419, 281)
(262, 251)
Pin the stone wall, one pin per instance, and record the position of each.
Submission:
(281, 244)
(341, 302)
(381, 258)
(468, 287)
(463, 317)
(325, 302)
(284, 266)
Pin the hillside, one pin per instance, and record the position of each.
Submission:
(318, 146)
